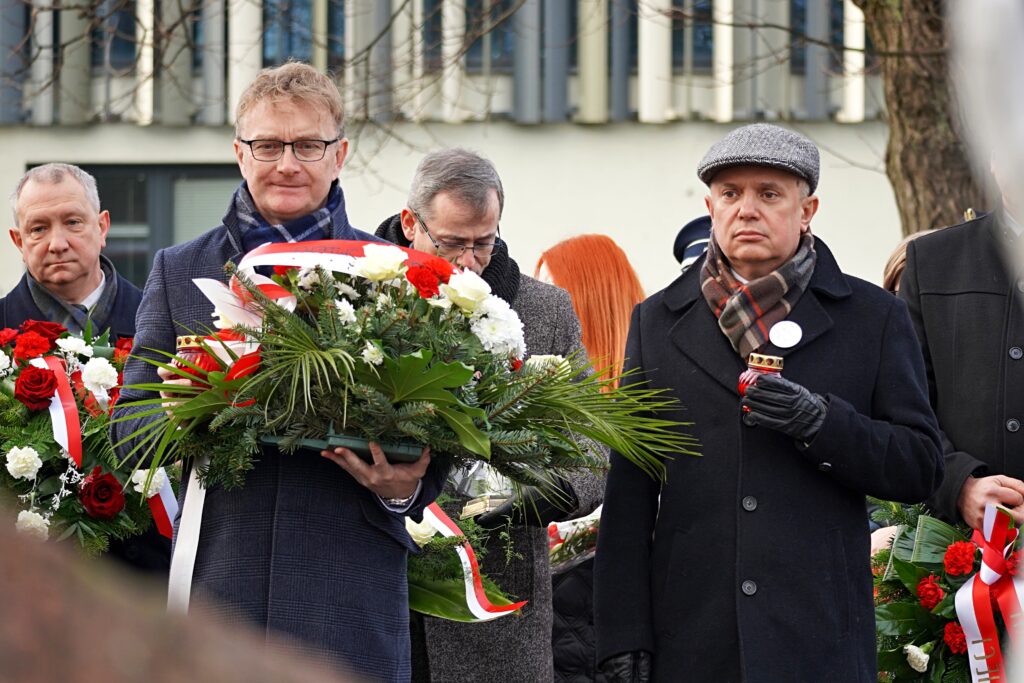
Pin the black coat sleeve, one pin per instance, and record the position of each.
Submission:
(958, 464)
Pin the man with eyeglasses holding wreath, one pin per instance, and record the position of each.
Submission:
(453, 211)
(311, 548)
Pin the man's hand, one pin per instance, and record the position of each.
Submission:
(628, 667)
(383, 478)
(172, 380)
(1000, 489)
(882, 538)
(785, 406)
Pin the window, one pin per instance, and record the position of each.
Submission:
(287, 31)
(496, 24)
(798, 22)
(703, 35)
(335, 34)
(113, 35)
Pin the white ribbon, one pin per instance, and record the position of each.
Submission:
(183, 561)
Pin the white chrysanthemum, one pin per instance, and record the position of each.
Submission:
(467, 290)
(372, 354)
(383, 301)
(347, 291)
(502, 337)
(5, 361)
(542, 362)
(380, 262)
(421, 532)
(75, 345)
(33, 524)
(139, 479)
(916, 658)
(346, 311)
(23, 463)
(308, 278)
(99, 376)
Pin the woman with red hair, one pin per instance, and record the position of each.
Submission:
(604, 289)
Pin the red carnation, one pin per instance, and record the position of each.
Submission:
(31, 345)
(284, 270)
(34, 387)
(7, 335)
(442, 269)
(959, 558)
(50, 331)
(929, 592)
(424, 279)
(953, 634)
(516, 364)
(122, 349)
(1013, 562)
(101, 495)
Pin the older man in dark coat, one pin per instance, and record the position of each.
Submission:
(964, 289)
(750, 562)
(311, 548)
(60, 231)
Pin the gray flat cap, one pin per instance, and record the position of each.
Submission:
(762, 144)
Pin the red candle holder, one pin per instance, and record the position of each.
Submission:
(757, 365)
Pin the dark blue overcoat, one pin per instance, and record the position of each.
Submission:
(754, 565)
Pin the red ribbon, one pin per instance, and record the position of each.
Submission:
(69, 407)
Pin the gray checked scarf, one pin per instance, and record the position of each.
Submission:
(74, 316)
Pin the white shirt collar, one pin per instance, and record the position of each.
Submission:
(95, 295)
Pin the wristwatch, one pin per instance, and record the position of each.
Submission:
(399, 502)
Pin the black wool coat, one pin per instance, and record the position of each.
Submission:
(750, 562)
(967, 310)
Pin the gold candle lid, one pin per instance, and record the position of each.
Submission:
(188, 341)
(759, 361)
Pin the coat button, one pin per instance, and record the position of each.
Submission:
(748, 587)
(749, 503)
(1012, 425)
(824, 466)
(1016, 353)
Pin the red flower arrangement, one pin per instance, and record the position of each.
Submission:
(959, 558)
(929, 592)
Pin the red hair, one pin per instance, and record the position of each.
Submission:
(604, 289)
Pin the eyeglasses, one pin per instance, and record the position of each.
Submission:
(452, 251)
(304, 150)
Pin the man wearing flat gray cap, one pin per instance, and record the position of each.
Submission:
(750, 562)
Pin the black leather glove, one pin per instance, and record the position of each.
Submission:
(534, 507)
(628, 667)
(779, 404)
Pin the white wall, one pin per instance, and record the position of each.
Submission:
(636, 183)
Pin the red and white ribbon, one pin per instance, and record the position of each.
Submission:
(476, 597)
(67, 430)
(993, 583)
(164, 507)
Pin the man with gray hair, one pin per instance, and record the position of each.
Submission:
(750, 562)
(453, 211)
(60, 230)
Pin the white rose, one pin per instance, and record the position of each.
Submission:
(421, 532)
(5, 361)
(33, 524)
(75, 345)
(23, 463)
(380, 262)
(916, 658)
(467, 290)
(139, 479)
(372, 354)
(346, 311)
(308, 277)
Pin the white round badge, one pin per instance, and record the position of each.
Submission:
(785, 334)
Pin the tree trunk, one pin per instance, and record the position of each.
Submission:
(926, 159)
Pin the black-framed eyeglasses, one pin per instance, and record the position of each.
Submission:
(452, 251)
(304, 150)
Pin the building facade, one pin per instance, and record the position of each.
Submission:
(595, 111)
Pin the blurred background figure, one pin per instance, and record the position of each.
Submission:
(692, 241)
(897, 262)
(604, 289)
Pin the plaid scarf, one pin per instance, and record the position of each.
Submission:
(75, 316)
(746, 312)
(256, 230)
